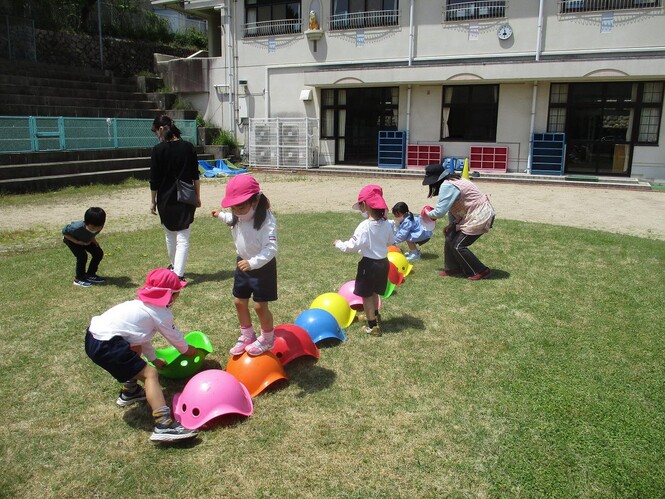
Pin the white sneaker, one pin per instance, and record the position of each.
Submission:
(415, 255)
(82, 283)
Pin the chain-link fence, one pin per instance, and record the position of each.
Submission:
(37, 134)
(17, 39)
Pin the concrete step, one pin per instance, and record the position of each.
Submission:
(71, 82)
(49, 182)
(80, 112)
(82, 93)
(45, 176)
(25, 158)
(59, 101)
(35, 170)
(25, 68)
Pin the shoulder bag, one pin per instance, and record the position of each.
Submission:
(186, 191)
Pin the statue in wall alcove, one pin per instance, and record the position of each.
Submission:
(313, 21)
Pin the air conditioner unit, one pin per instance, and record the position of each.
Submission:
(290, 135)
(293, 158)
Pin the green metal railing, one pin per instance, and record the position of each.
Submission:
(58, 133)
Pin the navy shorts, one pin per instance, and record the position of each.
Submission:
(259, 283)
(115, 356)
(372, 277)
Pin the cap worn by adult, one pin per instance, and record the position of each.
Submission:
(372, 195)
(435, 173)
(160, 284)
(240, 189)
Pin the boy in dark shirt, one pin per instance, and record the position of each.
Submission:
(80, 237)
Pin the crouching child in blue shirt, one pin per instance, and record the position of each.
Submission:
(409, 230)
(81, 238)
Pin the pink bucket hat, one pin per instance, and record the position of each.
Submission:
(371, 194)
(160, 284)
(239, 189)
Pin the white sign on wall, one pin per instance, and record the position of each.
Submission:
(607, 22)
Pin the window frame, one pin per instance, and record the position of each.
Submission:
(465, 10)
(273, 26)
(637, 106)
(365, 17)
(580, 6)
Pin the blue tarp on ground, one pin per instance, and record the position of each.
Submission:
(221, 168)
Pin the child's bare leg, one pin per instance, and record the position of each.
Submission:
(242, 308)
(153, 391)
(265, 315)
(369, 304)
(376, 304)
(412, 246)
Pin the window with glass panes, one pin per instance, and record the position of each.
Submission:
(470, 112)
(272, 17)
(642, 103)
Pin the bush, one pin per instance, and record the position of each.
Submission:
(182, 104)
(225, 138)
(191, 38)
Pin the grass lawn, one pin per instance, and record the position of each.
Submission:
(546, 380)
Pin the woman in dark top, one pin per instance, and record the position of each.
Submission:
(173, 159)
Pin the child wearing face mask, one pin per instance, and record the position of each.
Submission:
(409, 230)
(371, 238)
(254, 232)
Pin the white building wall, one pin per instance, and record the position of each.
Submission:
(580, 47)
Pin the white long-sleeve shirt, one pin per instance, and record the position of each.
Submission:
(258, 247)
(137, 323)
(371, 238)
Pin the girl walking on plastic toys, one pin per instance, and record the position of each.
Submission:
(371, 238)
(254, 232)
(410, 230)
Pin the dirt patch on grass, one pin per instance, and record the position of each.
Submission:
(638, 213)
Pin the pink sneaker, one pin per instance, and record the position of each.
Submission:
(259, 346)
(241, 344)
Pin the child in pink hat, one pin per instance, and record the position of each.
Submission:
(371, 238)
(254, 232)
(116, 340)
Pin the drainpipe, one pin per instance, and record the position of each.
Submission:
(534, 97)
(408, 112)
(539, 39)
(534, 92)
(229, 65)
(411, 34)
(409, 87)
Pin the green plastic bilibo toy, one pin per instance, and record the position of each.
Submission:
(179, 366)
